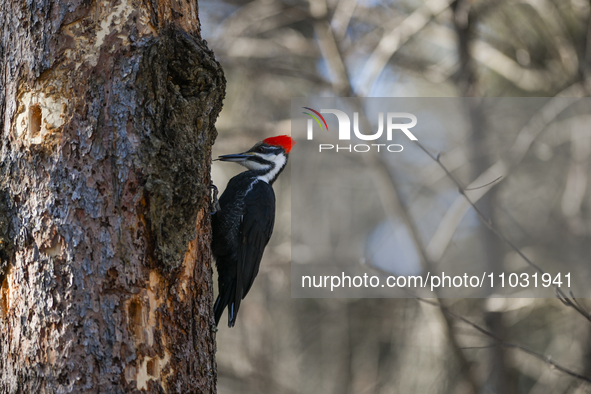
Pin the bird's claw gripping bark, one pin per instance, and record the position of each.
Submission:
(214, 199)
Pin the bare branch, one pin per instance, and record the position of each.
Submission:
(547, 359)
(489, 56)
(447, 311)
(391, 41)
(342, 16)
(502, 167)
(485, 185)
(560, 294)
(330, 49)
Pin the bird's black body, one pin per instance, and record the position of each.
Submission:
(244, 223)
(242, 228)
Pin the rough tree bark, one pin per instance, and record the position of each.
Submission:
(107, 112)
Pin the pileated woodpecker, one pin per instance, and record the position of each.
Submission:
(244, 222)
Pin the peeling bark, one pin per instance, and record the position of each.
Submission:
(107, 112)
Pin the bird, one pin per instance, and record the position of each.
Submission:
(243, 224)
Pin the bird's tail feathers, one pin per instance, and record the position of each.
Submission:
(227, 297)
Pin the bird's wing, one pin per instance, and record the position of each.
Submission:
(255, 231)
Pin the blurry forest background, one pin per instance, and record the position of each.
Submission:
(273, 50)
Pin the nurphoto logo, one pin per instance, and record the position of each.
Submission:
(344, 131)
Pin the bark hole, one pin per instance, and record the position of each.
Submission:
(34, 120)
(4, 298)
(151, 368)
(135, 319)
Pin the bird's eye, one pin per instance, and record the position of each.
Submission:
(260, 149)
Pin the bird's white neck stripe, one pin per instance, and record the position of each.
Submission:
(251, 186)
(279, 163)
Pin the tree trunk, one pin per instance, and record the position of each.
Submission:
(107, 112)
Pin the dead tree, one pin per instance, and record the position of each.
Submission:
(107, 118)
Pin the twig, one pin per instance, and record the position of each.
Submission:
(560, 294)
(508, 345)
(446, 311)
(503, 166)
(485, 185)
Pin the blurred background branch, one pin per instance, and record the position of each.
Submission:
(273, 50)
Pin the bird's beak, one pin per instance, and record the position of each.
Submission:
(237, 157)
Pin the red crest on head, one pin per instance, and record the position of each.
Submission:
(284, 141)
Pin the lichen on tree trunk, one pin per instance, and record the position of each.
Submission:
(107, 112)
